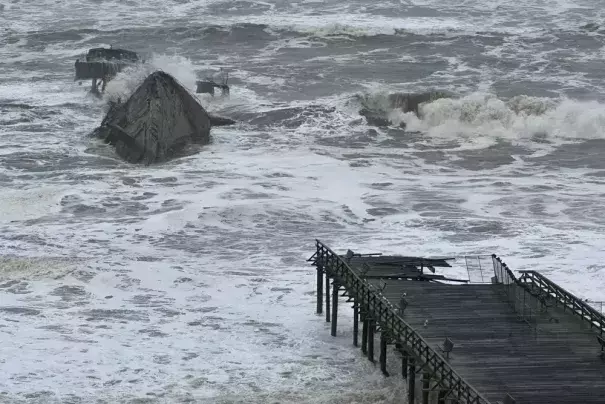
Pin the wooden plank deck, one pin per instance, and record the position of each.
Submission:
(557, 362)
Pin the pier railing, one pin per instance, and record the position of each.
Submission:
(544, 286)
(597, 305)
(546, 292)
(518, 294)
(387, 316)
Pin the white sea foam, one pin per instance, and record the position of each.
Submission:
(130, 78)
(482, 116)
(189, 279)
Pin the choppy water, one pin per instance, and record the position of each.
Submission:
(187, 280)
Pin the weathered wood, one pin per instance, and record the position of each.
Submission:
(412, 380)
(394, 260)
(364, 335)
(334, 324)
(383, 354)
(496, 352)
(104, 63)
(404, 364)
(327, 297)
(506, 338)
(355, 323)
(371, 333)
(426, 387)
(320, 289)
(393, 267)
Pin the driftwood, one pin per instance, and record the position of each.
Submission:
(159, 119)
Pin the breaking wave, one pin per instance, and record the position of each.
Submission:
(125, 82)
(484, 115)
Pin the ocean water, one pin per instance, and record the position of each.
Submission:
(187, 281)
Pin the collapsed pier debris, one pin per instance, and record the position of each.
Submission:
(102, 65)
(208, 85)
(377, 109)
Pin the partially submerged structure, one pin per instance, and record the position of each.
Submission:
(158, 121)
(103, 64)
(377, 109)
(208, 85)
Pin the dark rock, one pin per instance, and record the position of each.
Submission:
(159, 119)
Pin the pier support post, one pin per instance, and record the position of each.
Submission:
(335, 287)
(383, 354)
(441, 397)
(320, 289)
(426, 387)
(371, 330)
(404, 360)
(355, 322)
(327, 297)
(364, 334)
(411, 380)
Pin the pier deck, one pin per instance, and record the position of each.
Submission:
(516, 340)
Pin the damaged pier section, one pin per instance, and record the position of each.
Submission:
(102, 65)
(514, 340)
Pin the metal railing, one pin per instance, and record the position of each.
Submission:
(519, 295)
(546, 292)
(382, 311)
(541, 284)
(478, 268)
(597, 305)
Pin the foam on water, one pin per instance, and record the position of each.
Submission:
(188, 280)
(124, 84)
(485, 118)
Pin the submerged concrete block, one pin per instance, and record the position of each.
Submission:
(158, 120)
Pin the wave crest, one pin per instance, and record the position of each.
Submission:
(484, 115)
(125, 82)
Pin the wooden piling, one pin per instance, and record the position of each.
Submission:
(335, 288)
(426, 387)
(320, 289)
(355, 322)
(383, 354)
(411, 380)
(371, 331)
(327, 297)
(364, 334)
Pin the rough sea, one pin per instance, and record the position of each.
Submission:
(186, 281)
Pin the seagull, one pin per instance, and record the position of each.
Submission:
(426, 323)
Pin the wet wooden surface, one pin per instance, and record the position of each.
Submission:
(556, 361)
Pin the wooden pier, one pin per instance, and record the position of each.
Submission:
(514, 340)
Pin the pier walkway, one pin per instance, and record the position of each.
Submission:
(522, 340)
